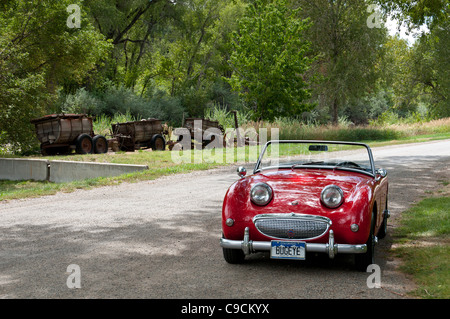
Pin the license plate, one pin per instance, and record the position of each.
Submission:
(288, 250)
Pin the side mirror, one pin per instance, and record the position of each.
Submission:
(379, 173)
(241, 171)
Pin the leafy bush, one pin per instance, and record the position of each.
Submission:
(166, 108)
(102, 123)
(82, 102)
(123, 100)
(114, 101)
(224, 117)
(392, 118)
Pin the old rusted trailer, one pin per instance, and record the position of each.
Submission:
(199, 130)
(63, 133)
(135, 135)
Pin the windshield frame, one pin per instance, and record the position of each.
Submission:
(369, 151)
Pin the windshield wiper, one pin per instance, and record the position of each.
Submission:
(310, 163)
(352, 166)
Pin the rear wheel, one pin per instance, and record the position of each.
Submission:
(84, 144)
(100, 144)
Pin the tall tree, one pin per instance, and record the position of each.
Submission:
(270, 60)
(417, 13)
(191, 52)
(431, 68)
(129, 26)
(430, 60)
(348, 48)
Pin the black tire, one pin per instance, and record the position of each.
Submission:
(233, 256)
(367, 258)
(84, 144)
(100, 144)
(158, 143)
(383, 228)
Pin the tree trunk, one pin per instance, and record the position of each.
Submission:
(335, 111)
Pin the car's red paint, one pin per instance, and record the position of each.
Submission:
(363, 194)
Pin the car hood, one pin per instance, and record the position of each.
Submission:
(300, 189)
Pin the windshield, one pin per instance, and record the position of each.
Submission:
(316, 154)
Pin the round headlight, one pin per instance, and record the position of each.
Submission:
(332, 196)
(261, 194)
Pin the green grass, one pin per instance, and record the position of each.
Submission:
(429, 218)
(291, 129)
(423, 243)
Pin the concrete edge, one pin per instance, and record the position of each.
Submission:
(61, 171)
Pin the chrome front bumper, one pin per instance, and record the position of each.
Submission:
(331, 248)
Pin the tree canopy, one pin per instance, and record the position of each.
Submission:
(270, 60)
(308, 60)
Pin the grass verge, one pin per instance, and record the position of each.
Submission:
(28, 189)
(423, 243)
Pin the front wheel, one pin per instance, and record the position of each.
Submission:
(233, 256)
(362, 261)
(383, 229)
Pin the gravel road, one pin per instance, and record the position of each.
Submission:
(160, 239)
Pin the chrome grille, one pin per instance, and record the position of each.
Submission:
(292, 226)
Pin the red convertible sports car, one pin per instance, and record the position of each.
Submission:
(307, 196)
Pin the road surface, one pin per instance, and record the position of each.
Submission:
(160, 239)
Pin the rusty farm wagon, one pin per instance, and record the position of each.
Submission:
(139, 134)
(199, 130)
(63, 133)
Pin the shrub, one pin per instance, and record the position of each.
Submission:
(123, 101)
(102, 123)
(225, 117)
(82, 102)
(167, 108)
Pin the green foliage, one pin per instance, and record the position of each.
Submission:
(120, 100)
(421, 75)
(431, 60)
(390, 117)
(226, 118)
(269, 59)
(364, 109)
(308, 61)
(418, 12)
(81, 102)
(102, 123)
(166, 108)
(38, 51)
(348, 53)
